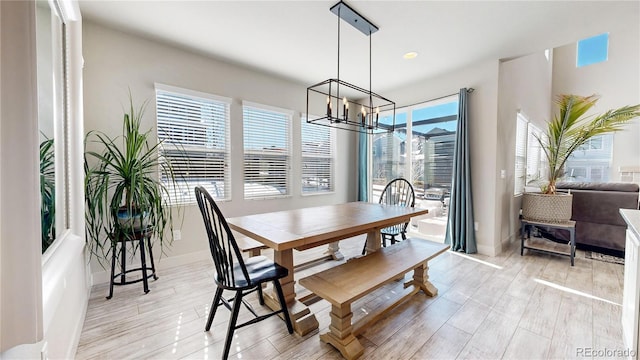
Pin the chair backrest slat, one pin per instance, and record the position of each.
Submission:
(398, 192)
(224, 249)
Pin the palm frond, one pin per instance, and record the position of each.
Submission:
(570, 129)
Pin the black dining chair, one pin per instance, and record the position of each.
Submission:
(398, 192)
(234, 273)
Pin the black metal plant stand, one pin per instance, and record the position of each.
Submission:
(122, 239)
(525, 233)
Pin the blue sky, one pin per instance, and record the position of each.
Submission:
(425, 113)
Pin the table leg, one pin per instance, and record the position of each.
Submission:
(285, 258)
(373, 241)
(334, 250)
(303, 320)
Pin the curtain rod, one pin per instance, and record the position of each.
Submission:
(469, 90)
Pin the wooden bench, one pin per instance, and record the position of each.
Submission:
(346, 283)
(247, 244)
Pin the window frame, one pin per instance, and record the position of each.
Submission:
(188, 197)
(534, 158)
(406, 164)
(332, 156)
(520, 159)
(288, 117)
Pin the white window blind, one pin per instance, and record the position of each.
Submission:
(595, 143)
(521, 155)
(267, 153)
(318, 144)
(536, 160)
(530, 162)
(194, 130)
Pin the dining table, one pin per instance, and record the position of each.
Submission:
(305, 228)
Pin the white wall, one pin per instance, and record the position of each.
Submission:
(483, 132)
(525, 85)
(617, 80)
(44, 297)
(115, 61)
(21, 272)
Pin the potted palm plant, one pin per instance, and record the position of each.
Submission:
(568, 131)
(124, 193)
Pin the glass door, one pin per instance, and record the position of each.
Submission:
(420, 149)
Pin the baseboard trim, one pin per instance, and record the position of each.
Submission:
(509, 240)
(77, 331)
(486, 250)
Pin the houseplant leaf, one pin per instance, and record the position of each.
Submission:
(123, 175)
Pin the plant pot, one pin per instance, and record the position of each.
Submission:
(547, 208)
(135, 221)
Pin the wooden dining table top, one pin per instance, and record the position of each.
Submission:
(303, 228)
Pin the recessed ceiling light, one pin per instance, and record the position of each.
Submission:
(410, 55)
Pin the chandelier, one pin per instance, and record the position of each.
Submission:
(344, 105)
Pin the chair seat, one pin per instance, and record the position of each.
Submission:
(260, 269)
(393, 230)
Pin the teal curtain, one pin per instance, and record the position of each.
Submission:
(363, 168)
(460, 227)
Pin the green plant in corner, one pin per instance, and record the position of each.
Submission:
(122, 181)
(47, 194)
(569, 130)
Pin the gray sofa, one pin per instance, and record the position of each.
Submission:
(599, 226)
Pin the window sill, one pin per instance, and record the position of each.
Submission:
(319, 193)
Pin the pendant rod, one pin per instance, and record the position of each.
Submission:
(370, 97)
(338, 86)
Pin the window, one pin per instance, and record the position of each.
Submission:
(530, 160)
(592, 50)
(433, 129)
(318, 144)
(267, 153)
(579, 173)
(388, 152)
(592, 161)
(194, 130)
(420, 149)
(520, 172)
(536, 159)
(594, 143)
(428, 165)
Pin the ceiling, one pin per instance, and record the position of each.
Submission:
(298, 39)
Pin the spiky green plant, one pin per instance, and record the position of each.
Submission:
(47, 193)
(125, 175)
(569, 130)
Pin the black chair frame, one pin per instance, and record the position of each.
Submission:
(398, 191)
(233, 273)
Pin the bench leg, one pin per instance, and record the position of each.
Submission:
(254, 252)
(334, 250)
(340, 333)
(421, 279)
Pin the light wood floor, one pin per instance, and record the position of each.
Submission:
(512, 307)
